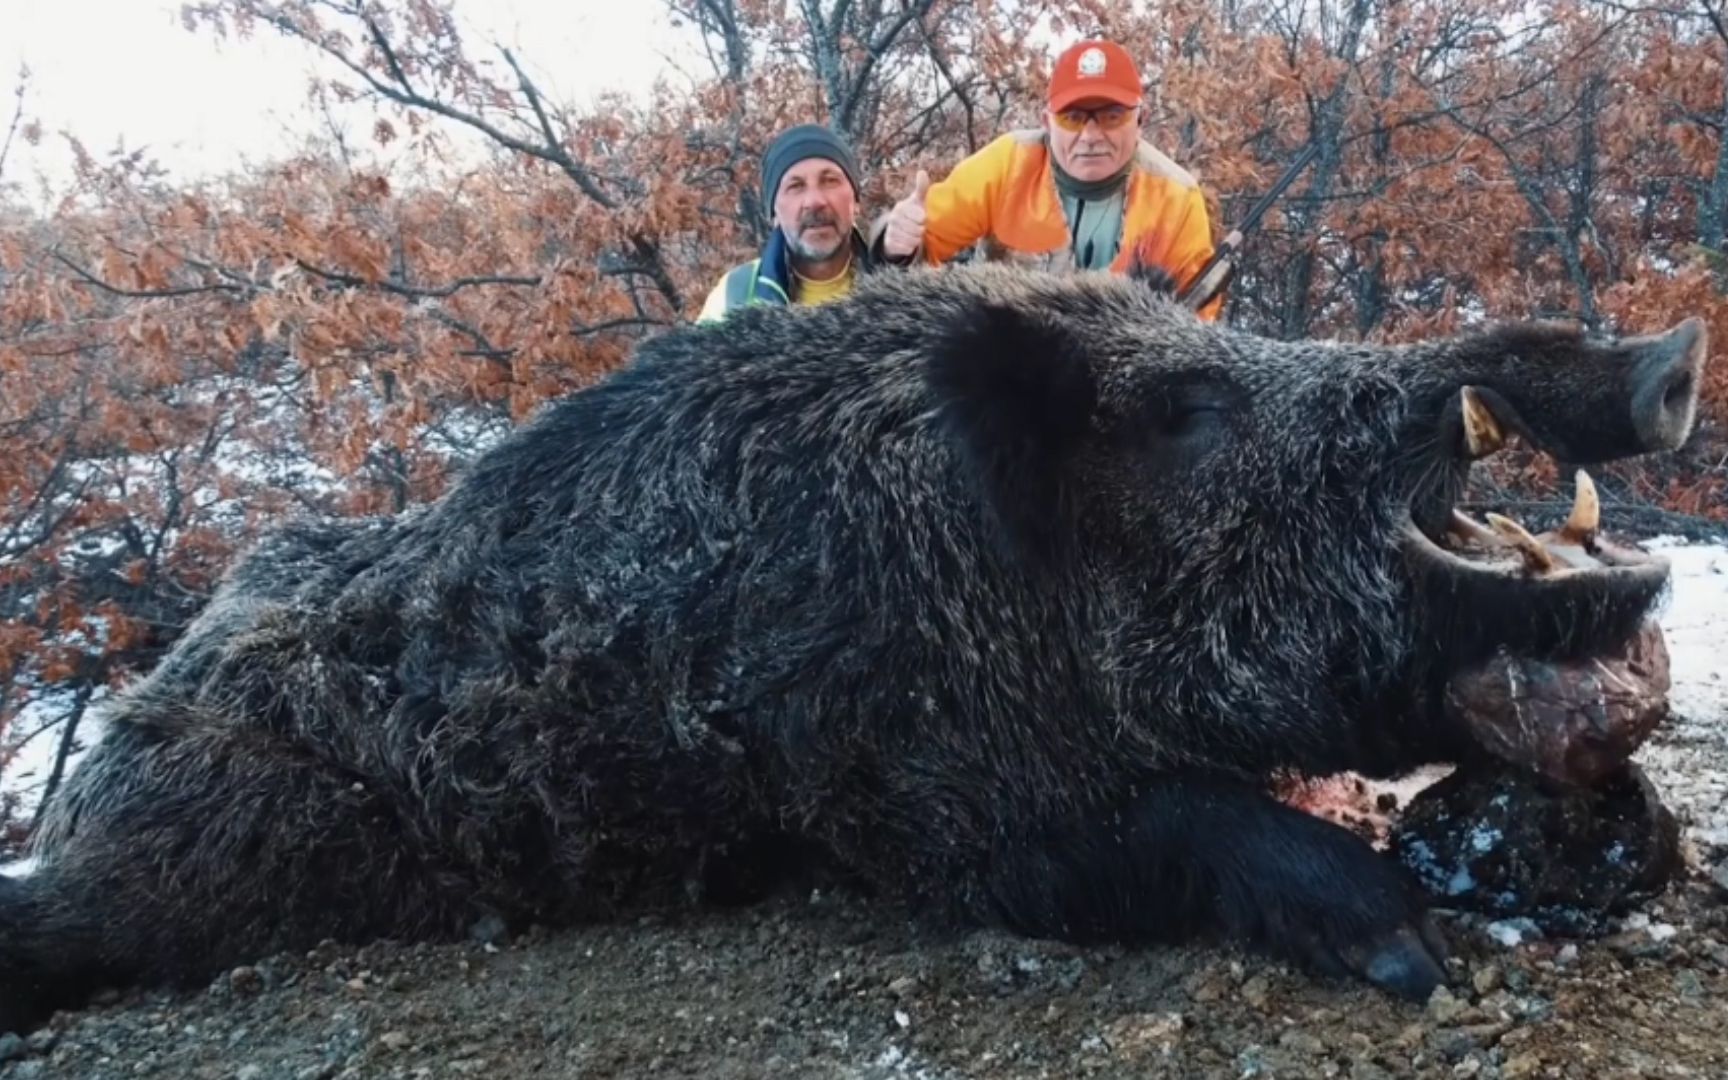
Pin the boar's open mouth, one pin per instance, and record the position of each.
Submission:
(1493, 585)
(1500, 547)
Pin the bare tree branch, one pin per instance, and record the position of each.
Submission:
(939, 58)
(876, 49)
(17, 118)
(116, 290)
(1706, 10)
(416, 291)
(89, 680)
(403, 94)
(390, 59)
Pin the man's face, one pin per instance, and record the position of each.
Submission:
(1093, 140)
(815, 208)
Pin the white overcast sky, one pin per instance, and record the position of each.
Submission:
(127, 70)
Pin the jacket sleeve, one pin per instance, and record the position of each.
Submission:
(958, 210)
(1192, 246)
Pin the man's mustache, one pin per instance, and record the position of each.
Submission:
(817, 217)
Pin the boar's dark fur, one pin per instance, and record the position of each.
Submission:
(1001, 592)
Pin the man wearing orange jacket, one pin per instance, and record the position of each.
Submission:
(1083, 192)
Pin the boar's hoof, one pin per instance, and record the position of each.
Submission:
(1502, 841)
(1407, 962)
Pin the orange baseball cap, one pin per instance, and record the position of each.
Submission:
(1094, 71)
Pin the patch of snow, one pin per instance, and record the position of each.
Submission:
(1512, 933)
(1687, 758)
(1461, 881)
(18, 867)
(1420, 858)
(31, 745)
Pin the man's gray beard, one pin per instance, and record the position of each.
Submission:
(802, 250)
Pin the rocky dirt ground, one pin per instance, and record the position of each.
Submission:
(828, 986)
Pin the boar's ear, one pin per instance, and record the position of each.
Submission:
(1015, 389)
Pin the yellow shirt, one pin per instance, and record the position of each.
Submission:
(811, 292)
(806, 291)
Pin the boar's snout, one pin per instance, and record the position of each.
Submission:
(1493, 586)
(1583, 401)
(1665, 383)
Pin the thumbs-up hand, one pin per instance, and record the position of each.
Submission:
(905, 232)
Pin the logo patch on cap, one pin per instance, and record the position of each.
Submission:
(1091, 62)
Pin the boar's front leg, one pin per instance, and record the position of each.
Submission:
(1190, 855)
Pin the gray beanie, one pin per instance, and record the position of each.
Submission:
(794, 145)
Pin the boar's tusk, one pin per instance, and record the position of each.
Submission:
(1482, 435)
(1586, 517)
(1536, 557)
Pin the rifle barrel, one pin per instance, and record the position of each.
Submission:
(1234, 240)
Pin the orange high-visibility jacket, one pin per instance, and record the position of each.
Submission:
(1005, 196)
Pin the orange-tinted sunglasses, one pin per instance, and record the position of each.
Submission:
(1109, 117)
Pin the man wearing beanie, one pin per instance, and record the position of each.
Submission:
(1084, 191)
(815, 252)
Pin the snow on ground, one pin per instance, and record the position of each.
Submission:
(33, 741)
(1688, 758)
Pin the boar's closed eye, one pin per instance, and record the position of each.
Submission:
(1189, 421)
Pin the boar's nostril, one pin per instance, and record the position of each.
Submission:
(1679, 391)
(1664, 386)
